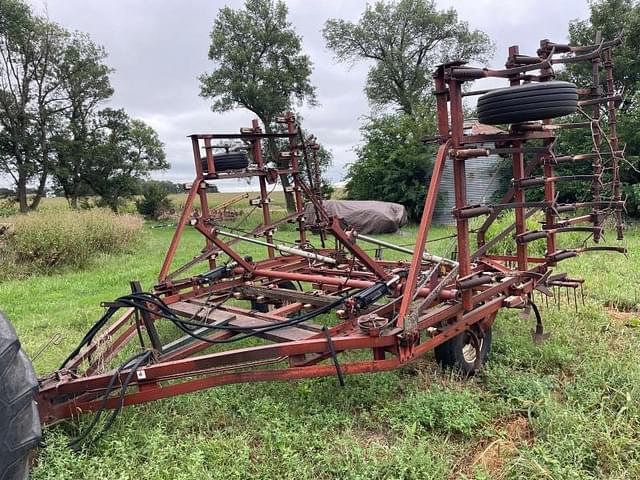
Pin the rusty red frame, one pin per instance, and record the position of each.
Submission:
(430, 300)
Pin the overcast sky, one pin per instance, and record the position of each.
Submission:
(158, 49)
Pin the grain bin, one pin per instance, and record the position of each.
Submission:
(483, 179)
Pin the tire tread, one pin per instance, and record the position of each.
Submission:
(19, 421)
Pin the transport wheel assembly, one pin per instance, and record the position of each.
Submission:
(466, 352)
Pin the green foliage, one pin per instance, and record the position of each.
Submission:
(8, 207)
(85, 80)
(171, 187)
(507, 246)
(629, 131)
(51, 84)
(124, 151)
(30, 96)
(325, 160)
(259, 66)
(610, 17)
(155, 201)
(537, 248)
(393, 164)
(322, 157)
(404, 39)
(259, 61)
(42, 242)
(442, 409)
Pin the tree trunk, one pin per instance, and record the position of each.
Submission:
(274, 153)
(21, 193)
(40, 192)
(42, 185)
(288, 196)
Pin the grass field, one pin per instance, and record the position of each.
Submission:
(567, 409)
(277, 198)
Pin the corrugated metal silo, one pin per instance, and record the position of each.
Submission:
(482, 178)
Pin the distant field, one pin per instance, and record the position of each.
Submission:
(277, 200)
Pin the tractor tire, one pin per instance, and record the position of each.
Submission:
(264, 307)
(458, 353)
(227, 161)
(528, 102)
(19, 420)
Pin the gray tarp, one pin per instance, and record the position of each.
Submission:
(366, 216)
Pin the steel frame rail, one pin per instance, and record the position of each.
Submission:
(429, 301)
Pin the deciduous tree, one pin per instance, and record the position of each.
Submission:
(404, 40)
(84, 79)
(259, 65)
(393, 164)
(123, 151)
(611, 18)
(30, 100)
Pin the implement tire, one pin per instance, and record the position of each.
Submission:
(19, 420)
(528, 102)
(264, 307)
(227, 161)
(459, 353)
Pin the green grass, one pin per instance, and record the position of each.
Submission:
(569, 408)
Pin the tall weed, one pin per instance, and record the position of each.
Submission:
(42, 242)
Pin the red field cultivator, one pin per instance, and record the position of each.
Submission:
(326, 307)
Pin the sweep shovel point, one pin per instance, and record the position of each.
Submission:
(539, 337)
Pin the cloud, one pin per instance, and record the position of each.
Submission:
(158, 49)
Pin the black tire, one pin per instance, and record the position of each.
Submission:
(19, 420)
(458, 352)
(264, 307)
(228, 161)
(528, 102)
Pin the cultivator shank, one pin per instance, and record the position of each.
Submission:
(304, 311)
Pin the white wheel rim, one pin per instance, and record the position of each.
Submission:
(470, 353)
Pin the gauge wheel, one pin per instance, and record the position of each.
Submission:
(227, 161)
(466, 352)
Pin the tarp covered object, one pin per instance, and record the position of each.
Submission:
(366, 216)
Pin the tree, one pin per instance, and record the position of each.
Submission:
(322, 156)
(84, 78)
(155, 201)
(404, 40)
(610, 17)
(168, 185)
(123, 151)
(325, 160)
(259, 66)
(30, 101)
(393, 164)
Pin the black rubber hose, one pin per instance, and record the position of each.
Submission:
(110, 387)
(134, 368)
(91, 333)
(182, 324)
(138, 301)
